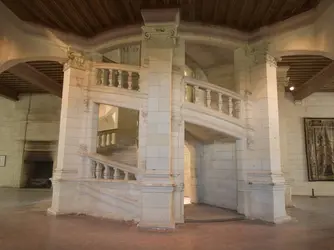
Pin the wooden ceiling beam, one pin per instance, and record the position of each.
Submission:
(8, 93)
(314, 84)
(35, 77)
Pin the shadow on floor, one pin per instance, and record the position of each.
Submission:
(201, 213)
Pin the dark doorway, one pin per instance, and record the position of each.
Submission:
(38, 169)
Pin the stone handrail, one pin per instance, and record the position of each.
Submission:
(117, 75)
(107, 138)
(104, 168)
(213, 97)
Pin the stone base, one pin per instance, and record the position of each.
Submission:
(263, 199)
(157, 207)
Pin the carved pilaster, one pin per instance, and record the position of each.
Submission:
(282, 79)
(248, 118)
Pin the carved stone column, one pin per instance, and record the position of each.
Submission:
(161, 130)
(261, 183)
(72, 137)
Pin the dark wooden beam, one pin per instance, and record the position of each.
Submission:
(324, 77)
(32, 75)
(8, 93)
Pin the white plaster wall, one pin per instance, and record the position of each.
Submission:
(42, 123)
(294, 160)
(218, 175)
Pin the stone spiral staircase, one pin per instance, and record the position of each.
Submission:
(115, 162)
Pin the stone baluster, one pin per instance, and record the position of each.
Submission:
(110, 80)
(186, 92)
(116, 174)
(102, 144)
(120, 78)
(196, 90)
(230, 106)
(220, 102)
(107, 139)
(99, 76)
(237, 108)
(126, 177)
(208, 98)
(107, 172)
(99, 170)
(129, 80)
(93, 169)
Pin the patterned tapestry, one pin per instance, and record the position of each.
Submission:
(319, 140)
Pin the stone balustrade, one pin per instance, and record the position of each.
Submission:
(113, 137)
(102, 168)
(117, 75)
(213, 97)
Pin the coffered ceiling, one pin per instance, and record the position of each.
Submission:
(91, 17)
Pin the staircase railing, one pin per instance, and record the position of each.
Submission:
(102, 168)
(117, 75)
(213, 97)
(113, 137)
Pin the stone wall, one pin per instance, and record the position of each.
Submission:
(34, 118)
(218, 175)
(293, 153)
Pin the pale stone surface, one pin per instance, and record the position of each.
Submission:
(218, 175)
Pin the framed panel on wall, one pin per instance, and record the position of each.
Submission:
(319, 145)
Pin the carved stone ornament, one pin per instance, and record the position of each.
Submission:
(259, 54)
(76, 61)
(83, 149)
(160, 36)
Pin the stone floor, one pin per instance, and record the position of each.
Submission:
(204, 213)
(24, 225)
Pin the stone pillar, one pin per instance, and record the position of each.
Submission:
(72, 138)
(282, 83)
(161, 129)
(261, 183)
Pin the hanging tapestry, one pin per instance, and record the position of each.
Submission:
(319, 141)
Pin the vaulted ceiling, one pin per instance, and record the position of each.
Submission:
(91, 17)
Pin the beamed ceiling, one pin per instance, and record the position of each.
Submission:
(91, 17)
(32, 77)
(307, 73)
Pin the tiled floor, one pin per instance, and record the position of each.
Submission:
(25, 226)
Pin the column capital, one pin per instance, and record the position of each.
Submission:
(282, 79)
(259, 54)
(160, 28)
(77, 61)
